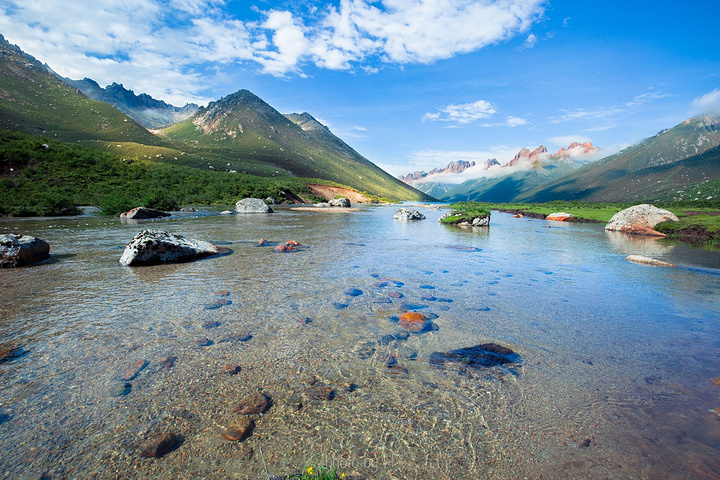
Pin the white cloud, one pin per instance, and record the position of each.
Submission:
(647, 97)
(463, 113)
(184, 37)
(585, 114)
(708, 103)
(530, 41)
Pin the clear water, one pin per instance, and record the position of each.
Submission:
(614, 381)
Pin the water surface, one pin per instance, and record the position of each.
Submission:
(614, 378)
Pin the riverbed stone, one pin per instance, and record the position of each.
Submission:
(353, 292)
(716, 381)
(239, 430)
(120, 389)
(159, 445)
(560, 217)
(640, 220)
(236, 336)
(321, 392)
(408, 214)
(340, 202)
(20, 250)
(252, 205)
(414, 322)
(132, 371)
(478, 357)
(230, 369)
(253, 404)
(141, 213)
(152, 247)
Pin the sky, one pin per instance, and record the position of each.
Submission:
(409, 84)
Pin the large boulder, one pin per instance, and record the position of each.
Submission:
(151, 247)
(140, 213)
(340, 202)
(252, 205)
(640, 220)
(19, 250)
(406, 214)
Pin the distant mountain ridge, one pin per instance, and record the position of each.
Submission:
(144, 109)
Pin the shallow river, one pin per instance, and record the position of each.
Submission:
(612, 378)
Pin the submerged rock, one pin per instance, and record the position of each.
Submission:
(478, 357)
(255, 403)
(321, 392)
(141, 213)
(252, 205)
(415, 322)
(152, 247)
(132, 370)
(20, 250)
(640, 220)
(159, 445)
(406, 214)
(239, 430)
(648, 261)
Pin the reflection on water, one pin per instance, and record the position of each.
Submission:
(615, 378)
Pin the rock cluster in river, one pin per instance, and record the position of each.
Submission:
(20, 250)
(640, 220)
(252, 205)
(151, 247)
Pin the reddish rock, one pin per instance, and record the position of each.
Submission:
(560, 217)
(253, 404)
(414, 322)
(223, 293)
(159, 445)
(716, 381)
(397, 370)
(282, 249)
(640, 220)
(518, 215)
(230, 369)
(395, 294)
(320, 393)
(239, 430)
(132, 371)
(168, 361)
(262, 242)
(292, 243)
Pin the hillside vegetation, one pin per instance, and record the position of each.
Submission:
(40, 176)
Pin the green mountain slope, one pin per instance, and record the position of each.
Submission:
(245, 125)
(663, 167)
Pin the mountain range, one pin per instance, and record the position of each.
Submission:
(238, 133)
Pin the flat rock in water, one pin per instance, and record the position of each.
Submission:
(230, 369)
(239, 336)
(239, 430)
(255, 403)
(252, 205)
(320, 393)
(21, 250)
(560, 217)
(648, 261)
(478, 357)
(159, 445)
(120, 389)
(168, 361)
(152, 247)
(132, 370)
(140, 213)
(716, 381)
(353, 292)
(415, 322)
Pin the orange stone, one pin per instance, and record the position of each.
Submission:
(413, 321)
(292, 243)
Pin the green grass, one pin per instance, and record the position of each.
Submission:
(39, 176)
(466, 212)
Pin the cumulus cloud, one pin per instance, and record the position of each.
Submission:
(187, 37)
(530, 41)
(463, 113)
(708, 103)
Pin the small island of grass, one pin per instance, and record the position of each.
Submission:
(467, 214)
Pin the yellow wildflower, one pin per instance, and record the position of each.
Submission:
(310, 470)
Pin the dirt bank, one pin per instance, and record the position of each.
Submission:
(328, 193)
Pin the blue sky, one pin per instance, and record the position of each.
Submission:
(410, 84)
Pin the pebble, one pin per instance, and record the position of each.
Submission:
(222, 293)
(208, 324)
(397, 370)
(222, 302)
(159, 445)
(429, 298)
(339, 305)
(366, 350)
(320, 393)
(168, 361)
(10, 353)
(353, 292)
(120, 389)
(203, 342)
(395, 294)
(388, 359)
(303, 321)
(239, 430)
(716, 381)
(414, 322)
(238, 336)
(132, 370)
(253, 404)
(386, 339)
(716, 411)
(230, 369)
(427, 287)
(401, 335)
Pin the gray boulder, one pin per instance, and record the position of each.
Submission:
(406, 214)
(252, 205)
(140, 213)
(152, 247)
(340, 202)
(640, 220)
(271, 201)
(20, 250)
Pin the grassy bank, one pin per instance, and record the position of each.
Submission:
(39, 176)
(699, 220)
